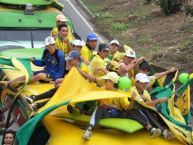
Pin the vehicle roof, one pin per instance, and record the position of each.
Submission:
(23, 2)
(44, 18)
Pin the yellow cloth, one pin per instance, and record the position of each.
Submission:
(118, 56)
(152, 80)
(84, 68)
(54, 32)
(61, 45)
(97, 62)
(79, 92)
(86, 53)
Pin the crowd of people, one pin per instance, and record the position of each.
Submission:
(64, 49)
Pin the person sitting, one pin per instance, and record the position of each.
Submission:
(9, 137)
(145, 67)
(61, 19)
(98, 62)
(88, 49)
(53, 62)
(62, 41)
(77, 45)
(75, 60)
(114, 49)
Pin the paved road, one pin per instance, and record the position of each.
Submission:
(79, 19)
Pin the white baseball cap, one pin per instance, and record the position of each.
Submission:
(61, 18)
(114, 42)
(113, 76)
(142, 77)
(130, 53)
(49, 40)
(77, 42)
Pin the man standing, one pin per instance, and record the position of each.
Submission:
(87, 50)
(62, 41)
(98, 63)
(61, 19)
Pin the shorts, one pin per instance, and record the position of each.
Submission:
(48, 74)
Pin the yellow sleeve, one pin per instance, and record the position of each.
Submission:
(85, 69)
(70, 34)
(147, 95)
(85, 54)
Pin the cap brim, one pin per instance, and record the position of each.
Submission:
(68, 58)
(92, 39)
(144, 81)
(130, 56)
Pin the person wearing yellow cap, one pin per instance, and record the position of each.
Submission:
(98, 62)
(88, 50)
(62, 41)
(105, 109)
(61, 19)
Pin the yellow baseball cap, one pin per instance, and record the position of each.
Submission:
(113, 76)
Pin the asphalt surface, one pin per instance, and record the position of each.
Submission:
(79, 19)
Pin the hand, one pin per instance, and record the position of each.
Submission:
(163, 100)
(58, 82)
(134, 95)
(66, 40)
(173, 69)
(32, 59)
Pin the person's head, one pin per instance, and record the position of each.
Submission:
(60, 19)
(114, 46)
(92, 40)
(9, 137)
(77, 45)
(111, 80)
(63, 30)
(103, 50)
(145, 67)
(113, 66)
(74, 58)
(141, 81)
(50, 44)
(129, 56)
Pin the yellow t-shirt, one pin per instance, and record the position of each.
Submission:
(86, 53)
(138, 98)
(54, 32)
(61, 45)
(97, 62)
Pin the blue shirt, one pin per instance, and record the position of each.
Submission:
(53, 63)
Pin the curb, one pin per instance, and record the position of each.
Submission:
(86, 10)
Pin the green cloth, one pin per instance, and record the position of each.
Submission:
(24, 133)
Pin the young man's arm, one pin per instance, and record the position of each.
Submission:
(87, 76)
(159, 75)
(157, 101)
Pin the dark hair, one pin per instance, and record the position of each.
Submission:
(61, 26)
(116, 85)
(145, 65)
(11, 132)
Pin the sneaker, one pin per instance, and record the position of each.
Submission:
(155, 132)
(3, 84)
(87, 135)
(35, 106)
(30, 99)
(72, 109)
(168, 135)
